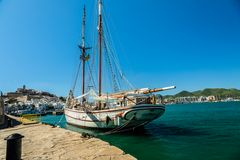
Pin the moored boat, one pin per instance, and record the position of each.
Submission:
(130, 108)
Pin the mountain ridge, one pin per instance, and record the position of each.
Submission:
(222, 92)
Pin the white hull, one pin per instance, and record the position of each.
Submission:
(129, 117)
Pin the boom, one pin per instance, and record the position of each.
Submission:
(140, 91)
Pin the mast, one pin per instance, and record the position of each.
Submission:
(84, 57)
(100, 47)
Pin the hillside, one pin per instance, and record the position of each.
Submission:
(221, 92)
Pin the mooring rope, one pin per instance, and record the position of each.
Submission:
(127, 129)
(57, 124)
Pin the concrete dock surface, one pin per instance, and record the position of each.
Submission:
(43, 142)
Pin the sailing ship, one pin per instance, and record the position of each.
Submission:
(123, 108)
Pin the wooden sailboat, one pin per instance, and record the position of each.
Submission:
(121, 109)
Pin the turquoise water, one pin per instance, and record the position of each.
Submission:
(209, 131)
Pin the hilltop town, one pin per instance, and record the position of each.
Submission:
(26, 101)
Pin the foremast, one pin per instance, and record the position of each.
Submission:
(84, 57)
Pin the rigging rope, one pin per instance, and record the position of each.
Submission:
(91, 76)
(112, 50)
(115, 85)
(116, 76)
(76, 78)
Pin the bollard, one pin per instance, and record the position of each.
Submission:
(14, 146)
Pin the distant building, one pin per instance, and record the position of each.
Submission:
(202, 99)
(211, 98)
(23, 99)
(188, 99)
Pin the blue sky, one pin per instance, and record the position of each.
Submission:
(193, 44)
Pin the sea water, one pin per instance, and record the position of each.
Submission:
(203, 131)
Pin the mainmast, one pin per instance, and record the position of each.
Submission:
(100, 47)
(84, 57)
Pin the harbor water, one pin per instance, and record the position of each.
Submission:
(209, 131)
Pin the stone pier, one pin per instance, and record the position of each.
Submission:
(45, 142)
